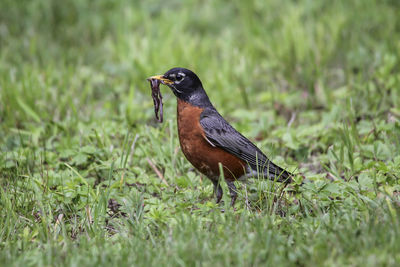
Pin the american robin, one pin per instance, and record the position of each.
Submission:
(208, 140)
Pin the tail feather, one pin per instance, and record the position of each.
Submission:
(276, 173)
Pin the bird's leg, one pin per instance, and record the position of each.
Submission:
(217, 190)
(232, 192)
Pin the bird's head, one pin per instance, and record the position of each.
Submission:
(184, 84)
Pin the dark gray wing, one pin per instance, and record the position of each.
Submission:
(221, 134)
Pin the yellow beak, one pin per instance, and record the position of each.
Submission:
(160, 78)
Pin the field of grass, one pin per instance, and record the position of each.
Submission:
(89, 178)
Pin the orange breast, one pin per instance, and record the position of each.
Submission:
(198, 151)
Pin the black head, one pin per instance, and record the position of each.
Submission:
(185, 85)
(183, 80)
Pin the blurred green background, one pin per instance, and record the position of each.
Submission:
(97, 54)
(315, 84)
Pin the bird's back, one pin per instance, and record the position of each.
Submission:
(221, 134)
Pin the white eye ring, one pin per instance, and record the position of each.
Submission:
(179, 77)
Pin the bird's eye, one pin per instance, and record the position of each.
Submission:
(179, 77)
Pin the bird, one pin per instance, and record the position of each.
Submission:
(208, 141)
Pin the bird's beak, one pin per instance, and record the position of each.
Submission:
(161, 78)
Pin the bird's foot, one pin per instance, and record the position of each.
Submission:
(232, 192)
(217, 191)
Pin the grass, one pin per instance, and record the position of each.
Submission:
(315, 84)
